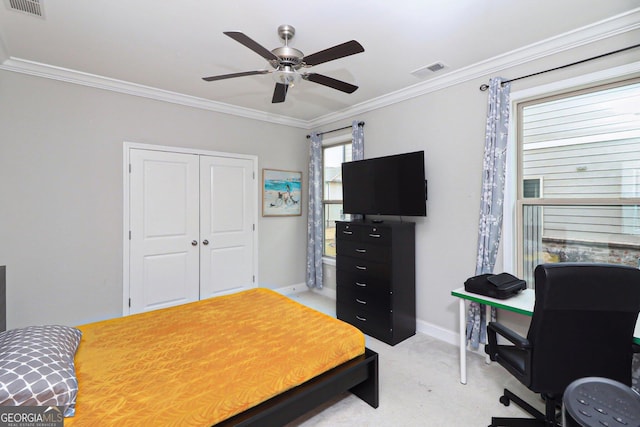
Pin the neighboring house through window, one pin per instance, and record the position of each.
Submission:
(332, 157)
(579, 178)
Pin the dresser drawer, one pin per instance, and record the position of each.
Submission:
(346, 231)
(371, 323)
(375, 234)
(378, 286)
(365, 233)
(371, 299)
(360, 250)
(364, 267)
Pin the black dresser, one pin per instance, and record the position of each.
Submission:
(375, 278)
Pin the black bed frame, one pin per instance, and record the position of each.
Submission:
(359, 375)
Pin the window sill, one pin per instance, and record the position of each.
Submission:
(329, 260)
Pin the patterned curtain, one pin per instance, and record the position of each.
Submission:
(357, 150)
(493, 178)
(357, 138)
(314, 219)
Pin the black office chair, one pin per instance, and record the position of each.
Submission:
(582, 326)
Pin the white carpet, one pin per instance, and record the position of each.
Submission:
(420, 386)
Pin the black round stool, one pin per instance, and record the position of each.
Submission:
(600, 402)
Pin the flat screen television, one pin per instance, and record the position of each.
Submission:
(390, 185)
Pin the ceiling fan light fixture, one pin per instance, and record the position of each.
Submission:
(286, 76)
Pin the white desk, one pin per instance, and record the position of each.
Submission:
(521, 303)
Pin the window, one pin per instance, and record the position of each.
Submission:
(579, 178)
(531, 188)
(332, 157)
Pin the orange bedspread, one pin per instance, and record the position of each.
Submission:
(200, 363)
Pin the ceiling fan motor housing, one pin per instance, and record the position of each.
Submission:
(288, 56)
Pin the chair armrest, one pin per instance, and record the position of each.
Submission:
(513, 337)
(494, 329)
(518, 363)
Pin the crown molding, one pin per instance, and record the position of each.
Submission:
(99, 82)
(616, 25)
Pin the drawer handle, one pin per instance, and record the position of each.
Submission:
(361, 251)
(362, 285)
(359, 267)
(347, 232)
(377, 236)
(360, 301)
(362, 319)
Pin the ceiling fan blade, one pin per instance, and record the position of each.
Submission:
(331, 82)
(232, 75)
(279, 93)
(340, 51)
(251, 44)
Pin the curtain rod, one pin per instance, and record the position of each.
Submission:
(335, 130)
(484, 87)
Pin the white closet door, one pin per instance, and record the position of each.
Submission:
(227, 209)
(164, 216)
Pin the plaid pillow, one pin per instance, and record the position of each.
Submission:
(36, 367)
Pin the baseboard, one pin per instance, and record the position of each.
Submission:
(302, 287)
(293, 289)
(437, 332)
(327, 292)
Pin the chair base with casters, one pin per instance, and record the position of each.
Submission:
(519, 360)
(539, 419)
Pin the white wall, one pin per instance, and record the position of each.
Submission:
(61, 191)
(449, 125)
(61, 184)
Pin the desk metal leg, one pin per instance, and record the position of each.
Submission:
(463, 341)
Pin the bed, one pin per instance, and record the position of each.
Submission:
(255, 358)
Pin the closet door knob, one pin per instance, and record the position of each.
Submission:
(205, 242)
(194, 243)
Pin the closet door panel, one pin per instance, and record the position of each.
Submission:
(164, 201)
(227, 209)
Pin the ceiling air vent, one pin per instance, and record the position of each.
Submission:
(30, 7)
(429, 69)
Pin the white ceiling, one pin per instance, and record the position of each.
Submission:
(163, 48)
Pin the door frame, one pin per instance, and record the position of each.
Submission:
(126, 226)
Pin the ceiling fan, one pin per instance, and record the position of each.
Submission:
(288, 61)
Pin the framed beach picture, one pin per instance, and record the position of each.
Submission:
(281, 193)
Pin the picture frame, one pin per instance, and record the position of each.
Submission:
(281, 192)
